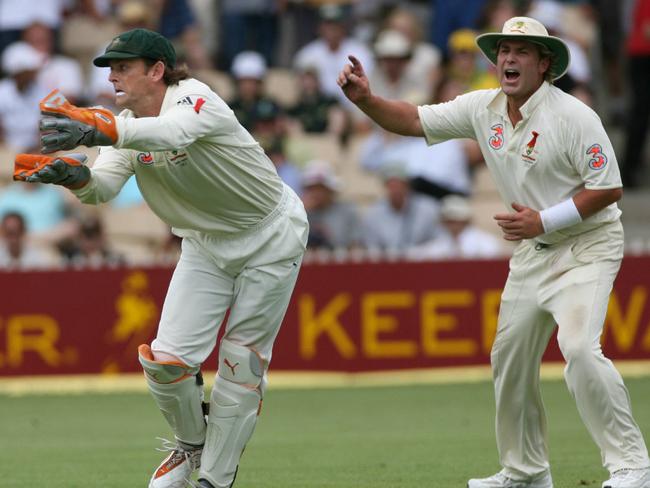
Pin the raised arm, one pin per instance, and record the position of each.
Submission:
(393, 115)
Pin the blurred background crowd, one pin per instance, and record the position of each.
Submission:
(369, 194)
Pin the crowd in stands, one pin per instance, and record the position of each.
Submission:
(275, 62)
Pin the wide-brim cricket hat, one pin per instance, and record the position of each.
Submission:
(138, 43)
(527, 29)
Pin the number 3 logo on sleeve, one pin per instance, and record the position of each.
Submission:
(598, 159)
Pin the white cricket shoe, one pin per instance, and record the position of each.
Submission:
(176, 469)
(502, 480)
(629, 478)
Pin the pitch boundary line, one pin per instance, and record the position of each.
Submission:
(134, 382)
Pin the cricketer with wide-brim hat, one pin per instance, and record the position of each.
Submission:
(556, 172)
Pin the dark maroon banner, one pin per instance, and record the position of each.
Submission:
(343, 317)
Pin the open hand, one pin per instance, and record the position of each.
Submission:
(69, 170)
(65, 126)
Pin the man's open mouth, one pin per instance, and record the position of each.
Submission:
(511, 74)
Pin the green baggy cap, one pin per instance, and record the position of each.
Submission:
(138, 43)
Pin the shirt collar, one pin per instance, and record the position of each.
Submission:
(168, 99)
(498, 104)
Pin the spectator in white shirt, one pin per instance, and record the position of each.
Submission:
(425, 62)
(58, 71)
(331, 49)
(401, 219)
(333, 223)
(20, 93)
(390, 78)
(15, 252)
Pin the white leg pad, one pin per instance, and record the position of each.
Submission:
(234, 406)
(179, 397)
(233, 414)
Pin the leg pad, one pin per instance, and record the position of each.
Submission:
(163, 371)
(178, 394)
(233, 414)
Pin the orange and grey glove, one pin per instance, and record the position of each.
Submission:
(65, 126)
(69, 170)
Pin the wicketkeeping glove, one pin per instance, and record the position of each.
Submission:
(65, 126)
(69, 170)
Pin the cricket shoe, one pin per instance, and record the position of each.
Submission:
(629, 478)
(176, 469)
(502, 480)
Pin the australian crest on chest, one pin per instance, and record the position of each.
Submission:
(526, 142)
(175, 158)
(530, 152)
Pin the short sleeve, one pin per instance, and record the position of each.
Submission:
(591, 152)
(449, 120)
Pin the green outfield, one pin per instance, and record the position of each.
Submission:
(433, 436)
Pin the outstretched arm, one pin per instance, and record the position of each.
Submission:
(65, 126)
(393, 115)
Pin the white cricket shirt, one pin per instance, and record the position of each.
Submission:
(556, 150)
(196, 166)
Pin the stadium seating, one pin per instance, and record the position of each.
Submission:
(282, 85)
(6, 164)
(83, 37)
(134, 231)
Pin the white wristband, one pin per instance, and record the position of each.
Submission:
(560, 216)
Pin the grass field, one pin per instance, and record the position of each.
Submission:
(433, 436)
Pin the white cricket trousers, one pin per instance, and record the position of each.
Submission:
(567, 284)
(252, 274)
